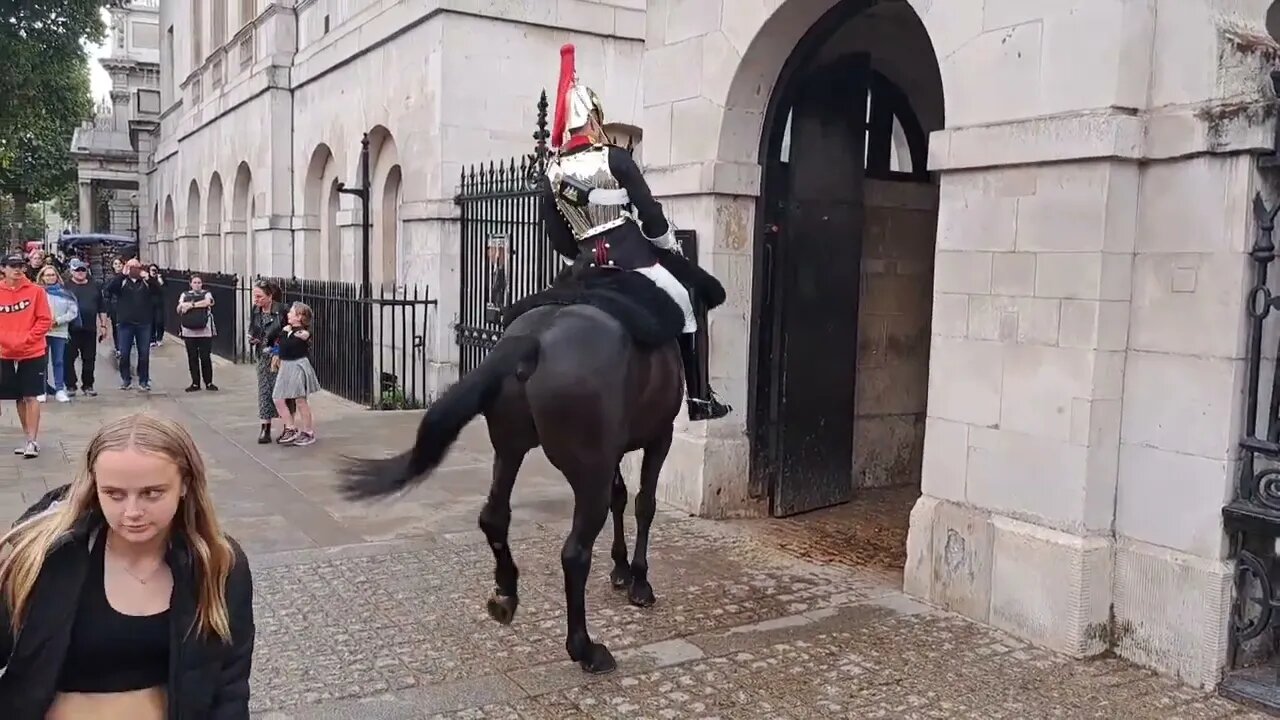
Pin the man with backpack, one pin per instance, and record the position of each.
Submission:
(196, 319)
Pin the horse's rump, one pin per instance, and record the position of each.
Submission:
(648, 314)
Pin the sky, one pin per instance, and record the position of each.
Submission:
(99, 80)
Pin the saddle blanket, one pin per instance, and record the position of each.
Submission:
(649, 315)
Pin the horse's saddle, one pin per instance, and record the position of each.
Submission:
(650, 316)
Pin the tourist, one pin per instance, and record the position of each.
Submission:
(296, 379)
(157, 318)
(265, 318)
(117, 268)
(91, 330)
(123, 598)
(65, 311)
(35, 263)
(134, 296)
(197, 330)
(24, 321)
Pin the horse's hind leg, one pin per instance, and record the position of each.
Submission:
(641, 593)
(621, 575)
(591, 507)
(495, 522)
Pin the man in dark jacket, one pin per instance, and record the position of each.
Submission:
(134, 294)
(90, 329)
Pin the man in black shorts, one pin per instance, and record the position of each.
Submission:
(24, 321)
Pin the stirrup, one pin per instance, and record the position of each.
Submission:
(709, 409)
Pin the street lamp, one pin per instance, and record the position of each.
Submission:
(362, 192)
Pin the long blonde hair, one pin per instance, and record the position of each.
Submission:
(29, 544)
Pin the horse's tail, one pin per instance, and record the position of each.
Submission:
(440, 427)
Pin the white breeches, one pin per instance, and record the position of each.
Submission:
(671, 286)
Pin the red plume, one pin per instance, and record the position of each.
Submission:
(567, 72)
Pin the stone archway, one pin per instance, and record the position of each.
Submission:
(212, 260)
(168, 226)
(322, 246)
(840, 351)
(189, 246)
(390, 253)
(725, 133)
(385, 176)
(240, 234)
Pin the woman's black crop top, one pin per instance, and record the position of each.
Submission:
(109, 651)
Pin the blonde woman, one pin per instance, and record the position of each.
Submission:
(124, 600)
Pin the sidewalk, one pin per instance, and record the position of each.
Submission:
(377, 612)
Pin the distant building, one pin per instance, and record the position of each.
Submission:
(106, 149)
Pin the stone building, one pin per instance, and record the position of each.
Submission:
(998, 249)
(106, 149)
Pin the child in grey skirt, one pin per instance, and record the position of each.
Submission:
(297, 379)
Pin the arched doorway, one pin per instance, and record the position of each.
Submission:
(321, 239)
(847, 220)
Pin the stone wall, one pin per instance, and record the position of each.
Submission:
(894, 311)
(1086, 340)
(439, 87)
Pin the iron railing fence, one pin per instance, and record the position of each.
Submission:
(1252, 518)
(369, 349)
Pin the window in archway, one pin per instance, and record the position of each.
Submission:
(897, 147)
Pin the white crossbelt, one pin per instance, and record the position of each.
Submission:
(609, 196)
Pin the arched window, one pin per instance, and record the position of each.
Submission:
(897, 147)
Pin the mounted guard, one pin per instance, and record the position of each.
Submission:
(599, 213)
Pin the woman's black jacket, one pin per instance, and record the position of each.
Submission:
(263, 324)
(208, 679)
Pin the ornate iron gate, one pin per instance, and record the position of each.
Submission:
(505, 254)
(1252, 519)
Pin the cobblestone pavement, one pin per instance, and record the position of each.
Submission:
(377, 612)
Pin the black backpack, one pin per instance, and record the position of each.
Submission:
(195, 318)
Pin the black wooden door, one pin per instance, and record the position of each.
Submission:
(819, 259)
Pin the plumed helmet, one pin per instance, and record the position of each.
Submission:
(575, 102)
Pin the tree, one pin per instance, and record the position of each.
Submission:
(44, 95)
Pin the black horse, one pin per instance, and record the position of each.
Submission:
(571, 379)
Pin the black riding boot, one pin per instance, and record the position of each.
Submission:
(264, 437)
(700, 408)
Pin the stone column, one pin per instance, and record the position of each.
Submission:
(433, 264)
(1088, 331)
(307, 250)
(210, 254)
(86, 205)
(187, 249)
(350, 231)
(237, 248)
(273, 237)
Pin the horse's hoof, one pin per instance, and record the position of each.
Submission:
(503, 608)
(599, 660)
(641, 595)
(620, 578)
